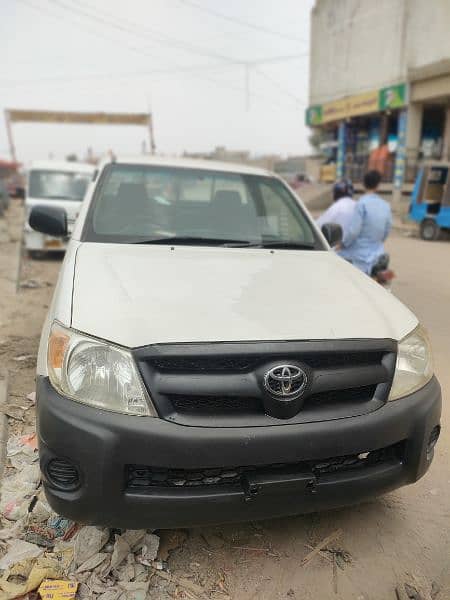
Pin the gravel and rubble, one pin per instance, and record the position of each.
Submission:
(38, 547)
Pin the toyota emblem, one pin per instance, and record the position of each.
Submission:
(285, 381)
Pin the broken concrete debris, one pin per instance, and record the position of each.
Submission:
(43, 555)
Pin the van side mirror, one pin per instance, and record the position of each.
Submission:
(50, 220)
(333, 233)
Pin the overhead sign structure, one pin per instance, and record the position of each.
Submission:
(91, 118)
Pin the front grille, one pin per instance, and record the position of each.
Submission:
(206, 365)
(222, 384)
(223, 405)
(215, 405)
(359, 394)
(140, 477)
(222, 364)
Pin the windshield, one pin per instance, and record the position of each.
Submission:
(58, 185)
(142, 204)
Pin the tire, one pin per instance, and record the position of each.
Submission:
(429, 230)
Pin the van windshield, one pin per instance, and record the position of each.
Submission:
(57, 185)
(153, 204)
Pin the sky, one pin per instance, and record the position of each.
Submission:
(190, 62)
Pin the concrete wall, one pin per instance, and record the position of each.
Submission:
(356, 46)
(428, 38)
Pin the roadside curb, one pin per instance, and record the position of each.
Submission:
(3, 420)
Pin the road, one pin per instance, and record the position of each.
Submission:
(403, 536)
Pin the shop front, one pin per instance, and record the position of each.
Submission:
(362, 132)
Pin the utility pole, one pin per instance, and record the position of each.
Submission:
(151, 134)
(12, 149)
(247, 86)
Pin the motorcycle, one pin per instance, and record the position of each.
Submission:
(381, 272)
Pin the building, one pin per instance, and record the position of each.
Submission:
(289, 168)
(380, 87)
(236, 156)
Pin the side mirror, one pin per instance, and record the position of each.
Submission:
(49, 220)
(333, 233)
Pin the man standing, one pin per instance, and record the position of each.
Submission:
(364, 240)
(343, 207)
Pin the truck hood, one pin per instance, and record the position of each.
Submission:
(135, 295)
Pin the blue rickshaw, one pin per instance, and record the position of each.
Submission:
(430, 202)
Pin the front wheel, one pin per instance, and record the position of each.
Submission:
(429, 230)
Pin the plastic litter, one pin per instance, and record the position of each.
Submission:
(93, 562)
(149, 549)
(89, 541)
(134, 538)
(60, 526)
(27, 576)
(41, 535)
(22, 450)
(49, 557)
(58, 590)
(18, 551)
(17, 492)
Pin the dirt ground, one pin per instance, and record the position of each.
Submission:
(401, 537)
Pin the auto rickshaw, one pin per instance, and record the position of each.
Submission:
(430, 202)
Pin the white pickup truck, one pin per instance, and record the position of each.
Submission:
(207, 357)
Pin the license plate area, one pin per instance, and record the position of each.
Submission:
(276, 481)
(53, 243)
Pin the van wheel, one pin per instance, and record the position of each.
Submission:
(429, 230)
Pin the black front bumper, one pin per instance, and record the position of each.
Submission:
(102, 444)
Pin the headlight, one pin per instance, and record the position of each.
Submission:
(414, 366)
(95, 373)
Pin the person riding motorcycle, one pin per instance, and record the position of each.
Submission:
(343, 207)
(371, 222)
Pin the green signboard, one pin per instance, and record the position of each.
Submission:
(392, 97)
(314, 115)
(389, 98)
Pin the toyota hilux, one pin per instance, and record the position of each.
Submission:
(207, 356)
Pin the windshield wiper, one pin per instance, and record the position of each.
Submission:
(227, 243)
(282, 244)
(193, 241)
(287, 245)
(60, 197)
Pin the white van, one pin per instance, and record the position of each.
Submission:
(55, 183)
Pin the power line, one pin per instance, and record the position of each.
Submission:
(106, 19)
(95, 33)
(169, 70)
(237, 21)
(196, 71)
(109, 20)
(279, 86)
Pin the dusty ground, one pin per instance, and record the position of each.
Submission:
(397, 538)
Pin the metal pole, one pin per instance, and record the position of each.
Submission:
(340, 164)
(12, 149)
(247, 87)
(150, 134)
